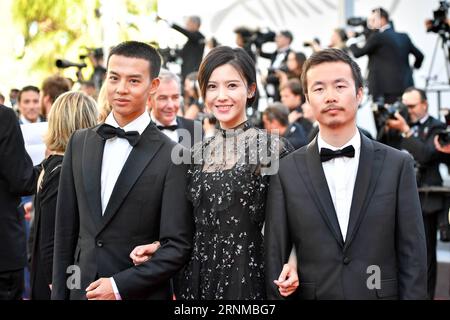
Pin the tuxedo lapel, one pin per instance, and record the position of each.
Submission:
(92, 169)
(137, 161)
(318, 187)
(369, 169)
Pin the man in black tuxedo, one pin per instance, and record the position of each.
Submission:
(119, 188)
(389, 70)
(17, 178)
(349, 204)
(165, 104)
(417, 138)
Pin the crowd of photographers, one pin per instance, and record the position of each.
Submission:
(402, 114)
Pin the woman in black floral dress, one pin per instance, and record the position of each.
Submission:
(228, 183)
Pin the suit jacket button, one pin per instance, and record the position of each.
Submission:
(99, 243)
(346, 260)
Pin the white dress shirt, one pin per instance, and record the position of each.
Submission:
(173, 135)
(115, 154)
(341, 175)
(279, 58)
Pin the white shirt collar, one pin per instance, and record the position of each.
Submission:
(424, 118)
(26, 121)
(158, 123)
(384, 28)
(139, 124)
(355, 141)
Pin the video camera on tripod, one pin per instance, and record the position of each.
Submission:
(439, 23)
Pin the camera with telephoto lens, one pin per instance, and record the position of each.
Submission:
(439, 23)
(444, 137)
(259, 38)
(309, 43)
(383, 112)
(170, 55)
(360, 22)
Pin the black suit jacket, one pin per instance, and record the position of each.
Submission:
(192, 51)
(193, 127)
(427, 162)
(389, 69)
(296, 135)
(148, 203)
(17, 178)
(385, 227)
(42, 230)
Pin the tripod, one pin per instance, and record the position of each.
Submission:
(443, 41)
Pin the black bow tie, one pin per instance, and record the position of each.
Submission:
(327, 154)
(171, 128)
(107, 132)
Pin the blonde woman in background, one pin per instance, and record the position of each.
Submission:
(104, 108)
(70, 111)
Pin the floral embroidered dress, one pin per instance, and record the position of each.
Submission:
(228, 185)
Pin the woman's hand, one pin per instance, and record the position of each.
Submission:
(140, 254)
(288, 280)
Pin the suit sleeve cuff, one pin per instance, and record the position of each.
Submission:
(115, 289)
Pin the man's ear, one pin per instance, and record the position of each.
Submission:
(154, 86)
(359, 95)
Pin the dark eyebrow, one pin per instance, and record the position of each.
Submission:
(316, 83)
(341, 80)
(137, 75)
(334, 81)
(227, 82)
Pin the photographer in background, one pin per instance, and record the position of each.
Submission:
(276, 120)
(418, 139)
(278, 60)
(244, 40)
(337, 40)
(294, 64)
(192, 51)
(98, 62)
(388, 52)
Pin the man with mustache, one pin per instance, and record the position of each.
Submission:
(348, 204)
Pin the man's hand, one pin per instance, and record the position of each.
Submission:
(140, 254)
(28, 207)
(437, 145)
(287, 281)
(398, 124)
(100, 290)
